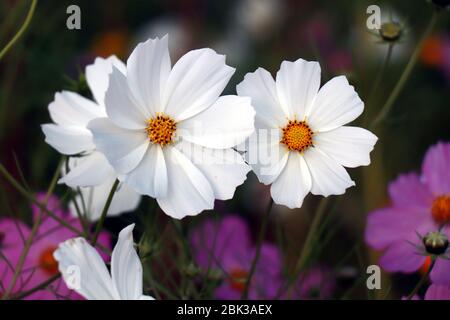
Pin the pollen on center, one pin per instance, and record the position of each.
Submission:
(297, 135)
(440, 209)
(161, 129)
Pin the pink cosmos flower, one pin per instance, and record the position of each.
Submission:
(420, 204)
(39, 264)
(226, 245)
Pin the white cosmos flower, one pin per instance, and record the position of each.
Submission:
(301, 144)
(169, 134)
(70, 136)
(84, 270)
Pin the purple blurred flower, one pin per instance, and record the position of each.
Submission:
(420, 204)
(39, 264)
(438, 292)
(317, 283)
(227, 245)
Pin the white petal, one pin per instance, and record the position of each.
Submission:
(71, 109)
(146, 298)
(123, 148)
(225, 169)
(293, 184)
(349, 146)
(121, 106)
(90, 170)
(189, 192)
(336, 104)
(76, 258)
(148, 68)
(227, 123)
(126, 267)
(328, 176)
(68, 140)
(261, 88)
(150, 176)
(195, 83)
(297, 85)
(265, 154)
(97, 76)
(94, 199)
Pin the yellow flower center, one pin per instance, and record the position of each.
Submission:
(161, 129)
(297, 135)
(440, 210)
(47, 262)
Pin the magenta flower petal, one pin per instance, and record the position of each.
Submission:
(39, 264)
(392, 224)
(12, 233)
(436, 169)
(267, 279)
(408, 191)
(402, 256)
(50, 224)
(317, 283)
(222, 243)
(270, 261)
(419, 206)
(441, 272)
(227, 292)
(229, 242)
(438, 292)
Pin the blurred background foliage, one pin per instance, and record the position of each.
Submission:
(251, 33)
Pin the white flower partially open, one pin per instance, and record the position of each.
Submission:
(169, 134)
(300, 144)
(77, 258)
(69, 135)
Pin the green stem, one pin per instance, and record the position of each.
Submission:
(406, 73)
(380, 74)
(21, 30)
(307, 247)
(33, 199)
(101, 221)
(33, 233)
(422, 280)
(40, 286)
(262, 233)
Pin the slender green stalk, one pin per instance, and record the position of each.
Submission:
(101, 221)
(31, 198)
(262, 233)
(42, 207)
(380, 75)
(33, 233)
(84, 225)
(422, 280)
(40, 286)
(406, 73)
(307, 247)
(21, 30)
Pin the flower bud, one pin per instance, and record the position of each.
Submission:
(215, 274)
(390, 31)
(191, 270)
(435, 242)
